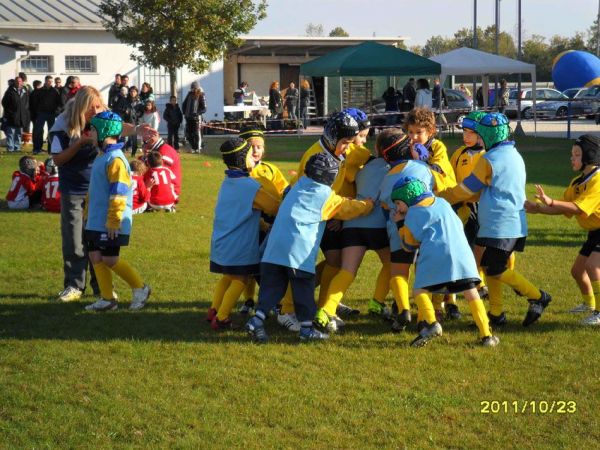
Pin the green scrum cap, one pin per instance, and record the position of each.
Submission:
(471, 120)
(107, 124)
(493, 129)
(410, 190)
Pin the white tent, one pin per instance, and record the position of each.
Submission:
(468, 61)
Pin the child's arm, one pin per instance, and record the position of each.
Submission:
(337, 207)
(479, 178)
(409, 243)
(120, 183)
(265, 202)
(552, 207)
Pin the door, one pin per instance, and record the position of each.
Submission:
(288, 74)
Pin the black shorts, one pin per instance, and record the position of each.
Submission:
(98, 241)
(250, 269)
(454, 287)
(507, 244)
(372, 238)
(471, 229)
(331, 240)
(402, 257)
(592, 244)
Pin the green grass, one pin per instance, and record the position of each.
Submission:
(159, 378)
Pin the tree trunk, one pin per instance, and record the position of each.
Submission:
(173, 80)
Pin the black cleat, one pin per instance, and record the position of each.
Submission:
(452, 312)
(497, 321)
(401, 321)
(536, 308)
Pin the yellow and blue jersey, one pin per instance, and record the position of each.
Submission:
(110, 195)
(463, 162)
(368, 183)
(356, 157)
(439, 158)
(584, 191)
(270, 178)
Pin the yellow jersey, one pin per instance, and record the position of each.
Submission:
(356, 157)
(439, 158)
(317, 148)
(463, 162)
(584, 191)
(270, 178)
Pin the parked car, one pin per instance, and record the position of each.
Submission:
(541, 95)
(591, 97)
(559, 109)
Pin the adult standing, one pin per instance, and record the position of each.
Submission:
(275, 100)
(393, 100)
(304, 101)
(409, 94)
(73, 149)
(43, 112)
(438, 96)
(423, 98)
(503, 96)
(136, 110)
(193, 107)
(291, 101)
(16, 114)
(146, 93)
(113, 92)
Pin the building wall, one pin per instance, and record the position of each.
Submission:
(111, 57)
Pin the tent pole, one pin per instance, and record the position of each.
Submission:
(341, 94)
(519, 129)
(325, 96)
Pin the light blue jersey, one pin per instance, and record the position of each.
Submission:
(368, 182)
(444, 253)
(298, 228)
(501, 211)
(235, 227)
(415, 169)
(101, 189)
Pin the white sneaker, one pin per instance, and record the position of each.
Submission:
(69, 294)
(140, 297)
(289, 321)
(582, 308)
(592, 320)
(101, 305)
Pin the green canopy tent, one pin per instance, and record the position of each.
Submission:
(370, 59)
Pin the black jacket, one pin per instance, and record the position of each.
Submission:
(44, 100)
(173, 115)
(113, 94)
(409, 93)
(188, 106)
(16, 107)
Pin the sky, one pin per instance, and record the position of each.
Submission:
(421, 19)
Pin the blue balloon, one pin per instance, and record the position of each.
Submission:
(574, 69)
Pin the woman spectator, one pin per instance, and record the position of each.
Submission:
(304, 101)
(392, 99)
(147, 93)
(121, 103)
(151, 116)
(423, 98)
(275, 101)
(193, 107)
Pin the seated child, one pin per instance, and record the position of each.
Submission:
(234, 250)
(582, 200)
(141, 194)
(445, 262)
(109, 217)
(24, 191)
(162, 189)
(293, 244)
(49, 183)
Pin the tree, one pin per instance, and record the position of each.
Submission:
(536, 51)
(338, 32)
(592, 34)
(173, 34)
(314, 30)
(436, 45)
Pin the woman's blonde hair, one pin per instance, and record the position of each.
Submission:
(78, 106)
(274, 85)
(304, 84)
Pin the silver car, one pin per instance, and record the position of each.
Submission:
(562, 107)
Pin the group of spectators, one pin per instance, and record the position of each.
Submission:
(40, 104)
(289, 100)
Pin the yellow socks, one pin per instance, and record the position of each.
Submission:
(399, 285)
(512, 259)
(250, 289)
(450, 299)
(328, 273)
(494, 286)
(482, 277)
(382, 285)
(230, 298)
(596, 292)
(588, 299)
(480, 317)
(521, 284)
(425, 308)
(337, 288)
(128, 274)
(220, 289)
(437, 300)
(104, 278)
(287, 303)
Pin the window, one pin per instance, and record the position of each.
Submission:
(553, 95)
(37, 64)
(77, 64)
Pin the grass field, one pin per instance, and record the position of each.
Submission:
(160, 378)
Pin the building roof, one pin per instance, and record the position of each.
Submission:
(17, 44)
(50, 14)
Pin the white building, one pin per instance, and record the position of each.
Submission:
(70, 40)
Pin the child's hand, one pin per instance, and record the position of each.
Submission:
(541, 195)
(112, 233)
(531, 207)
(399, 216)
(421, 151)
